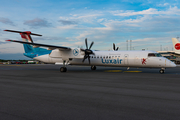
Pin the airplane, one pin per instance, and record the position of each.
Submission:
(77, 56)
(176, 47)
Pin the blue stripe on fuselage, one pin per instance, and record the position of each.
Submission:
(37, 52)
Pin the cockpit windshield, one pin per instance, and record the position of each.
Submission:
(154, 55)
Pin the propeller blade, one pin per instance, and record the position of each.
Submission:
(91, 45)
(85, 56)
(87, 51)
(89, 59)
(114, 46)
(86, 43)
(117, 48)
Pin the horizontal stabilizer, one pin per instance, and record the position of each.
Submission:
(25, 32)
(42, 45)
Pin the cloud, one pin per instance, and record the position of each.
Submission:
(37, 23)
(82, 18)
(84, 35)
(150, 11)
(163, 4)
(67, 22)
(70, 44)
(3, 42)
(47, 38)
(131, 12)
(6, 21)
(67, 27)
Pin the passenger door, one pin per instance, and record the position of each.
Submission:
(126, 56)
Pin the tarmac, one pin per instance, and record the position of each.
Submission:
(42, 92)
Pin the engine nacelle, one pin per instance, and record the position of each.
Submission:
(73, 53)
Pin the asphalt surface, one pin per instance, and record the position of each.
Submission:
(41, 92)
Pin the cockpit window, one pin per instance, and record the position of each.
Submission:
(154, 55)
(158, 55)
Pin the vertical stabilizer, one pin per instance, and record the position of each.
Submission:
(176, 45)
(26, 38)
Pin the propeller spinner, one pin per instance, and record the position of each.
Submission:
(87, 51)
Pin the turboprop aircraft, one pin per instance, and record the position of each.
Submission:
(176, 46)
(77, 56)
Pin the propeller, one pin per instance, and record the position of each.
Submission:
(87, 51)
(25, 32)
(114, 47)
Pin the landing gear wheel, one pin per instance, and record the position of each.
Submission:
(161, 71)
(63, 69)
(93, 67)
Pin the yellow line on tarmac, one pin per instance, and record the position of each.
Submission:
(113, 71)
(133, 71)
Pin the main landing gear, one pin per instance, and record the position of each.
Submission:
(64, 69)
(162, 70)
(93, 67)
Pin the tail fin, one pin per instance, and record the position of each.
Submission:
(176, 45)
(26, 38)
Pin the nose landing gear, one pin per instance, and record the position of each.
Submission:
(162, 70)
(93, 67)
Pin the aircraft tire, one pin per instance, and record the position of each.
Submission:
(93, 67)
(63, 69)
(161, 71)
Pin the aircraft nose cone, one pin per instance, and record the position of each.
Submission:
(173, 64)
(170, 63)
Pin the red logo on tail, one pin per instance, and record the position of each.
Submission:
(177, 46)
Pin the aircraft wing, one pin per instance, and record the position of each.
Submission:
(43, 45)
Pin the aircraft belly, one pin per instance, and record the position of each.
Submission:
(42, 58)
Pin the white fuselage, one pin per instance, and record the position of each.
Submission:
(112, 58)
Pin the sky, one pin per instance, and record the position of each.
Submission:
(150, 24)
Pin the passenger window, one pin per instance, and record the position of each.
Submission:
(97, 56)
(106, 56)
(109, 56)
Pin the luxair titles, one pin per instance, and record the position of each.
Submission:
(111, 61)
